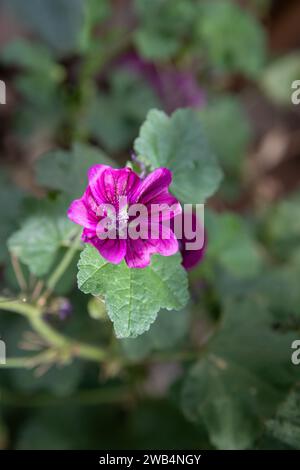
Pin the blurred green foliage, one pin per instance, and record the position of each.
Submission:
(231, 344)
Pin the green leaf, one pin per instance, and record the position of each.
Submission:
(168, 331)
(232, 246)
(227, 112)
(41, 235)
(159, 424)
(115, 116)
(156, 47)
(217, 117)
(49, 101)
(67, 171)
(58, 22)
(133, 297)
(279, 288)
(243, 377)
(285, 426)
(282, 226)
(33, 57)
(39, 84)
(178, 143)
(95, 13)
(278, 77)
(162, 27)
(43, 431)
(233, 39)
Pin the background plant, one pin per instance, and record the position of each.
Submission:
(214, 369)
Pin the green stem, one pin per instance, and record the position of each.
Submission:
(18, 272)
(63, 265)
(29, 361)
(18, 306)
(66, 345)
(73, 347)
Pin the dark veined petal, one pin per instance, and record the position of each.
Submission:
(108, 184)
(113, 250)
(154, 191)
(139, 251)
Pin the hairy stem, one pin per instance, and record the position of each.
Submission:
(66, 346)
(29, 362)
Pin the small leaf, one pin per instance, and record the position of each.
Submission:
(162, 27)
(279, 288)
(285, 426)
(232, 246)
(282, 226)
(58, 22)
(156, 47)
(167, 332)
(37, 242)
(114, 117)
(32, 57)
(231, 149)
(67, 171)
(133, 297)
(278, 77)
(225, 31)
(178, 143)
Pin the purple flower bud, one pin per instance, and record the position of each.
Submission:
(190, 257)
(65, 309)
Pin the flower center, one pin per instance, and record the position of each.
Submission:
(116, 219)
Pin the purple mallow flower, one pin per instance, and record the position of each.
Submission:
(175, 88)
(111, 187)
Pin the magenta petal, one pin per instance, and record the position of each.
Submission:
(154, 191)
(108, 184)
(139, 251)
(112, 250)
(167, 245)
(87, 235)
(153, 185)
(138, 254)
(190, 257)
(95, 177)
(79, 213)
